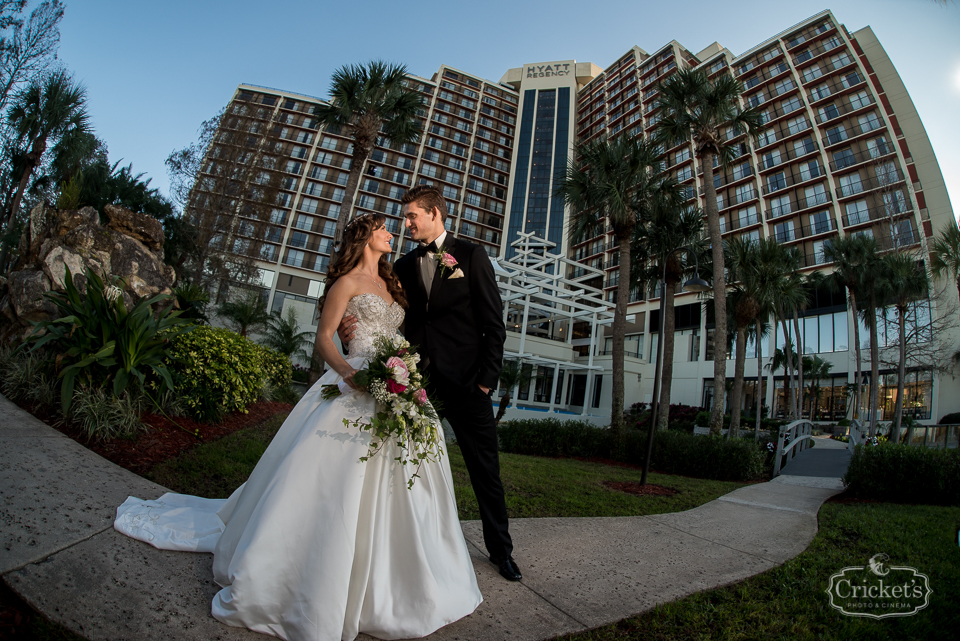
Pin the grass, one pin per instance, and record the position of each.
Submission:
(534, 486)
(790, 602)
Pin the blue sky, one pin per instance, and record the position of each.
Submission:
(155, 70)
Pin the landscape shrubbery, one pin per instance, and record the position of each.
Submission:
(674, 451)
(905, 474)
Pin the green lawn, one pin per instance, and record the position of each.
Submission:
(534, 486)
(790, 602)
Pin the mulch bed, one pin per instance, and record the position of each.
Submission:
(162, 439)
(632, 487)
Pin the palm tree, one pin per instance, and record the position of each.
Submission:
(693, 106)
(665, 227)
(513, 374)
(749, 299)
(787, 293)
(816, 369)
(365, 102)
(248, 313)
(284, 335)
(852, 257)
(905, 281)
(606, 185)
(945, 254)
(47, 110)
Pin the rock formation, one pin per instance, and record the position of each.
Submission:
(128, 247)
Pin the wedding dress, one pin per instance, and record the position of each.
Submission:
(317, 545)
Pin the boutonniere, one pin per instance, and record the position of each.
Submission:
(446, 261)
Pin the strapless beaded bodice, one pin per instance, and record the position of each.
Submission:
(374, 317)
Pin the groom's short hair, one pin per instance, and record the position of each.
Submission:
(426, 197)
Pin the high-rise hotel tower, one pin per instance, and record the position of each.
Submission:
(843, 152)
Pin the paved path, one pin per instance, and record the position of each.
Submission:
(59, 551)
(827, 458)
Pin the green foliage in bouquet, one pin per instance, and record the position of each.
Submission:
(219, 371)
(98, 343)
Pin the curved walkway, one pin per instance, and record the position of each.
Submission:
(59, 551)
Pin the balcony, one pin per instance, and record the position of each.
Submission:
(865, 185)
(832, 112)
(730, 178)
(877, 212)
(764, 75)
(774, 184)
(808, 35)
(825, 70)
(869, 155)
(828, 44)
(778, 157)
(850, 81)
(851, 131)
(783, 132)
(795, 232)
(797, 206)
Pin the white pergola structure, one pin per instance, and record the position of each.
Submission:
(542, 302)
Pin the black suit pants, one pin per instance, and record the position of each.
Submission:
(470, 414)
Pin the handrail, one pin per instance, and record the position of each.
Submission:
(856, 434)
(800, 432)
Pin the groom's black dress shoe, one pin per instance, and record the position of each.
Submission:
(508, 568)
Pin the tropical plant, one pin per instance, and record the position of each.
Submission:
(192, 301)
(853, 258)
(606, 185)
(816, 370)
(692, 106)
(366, 102)
(665, 228)
(945, 253)
(513, 374)
(102, 415)
(246, 313)
(97, 342)
(905, 281)
(41, 114)
(284, 335)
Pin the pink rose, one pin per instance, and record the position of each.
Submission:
(395, 388)
(420, 396)
(448, 261)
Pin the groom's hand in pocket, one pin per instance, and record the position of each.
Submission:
(345, 331)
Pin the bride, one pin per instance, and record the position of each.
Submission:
(317, 545)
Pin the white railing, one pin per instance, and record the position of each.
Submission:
(857, 437)
(793, 439)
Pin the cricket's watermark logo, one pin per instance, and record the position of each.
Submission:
(879, 591)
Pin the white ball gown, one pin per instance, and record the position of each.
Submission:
(317, 545)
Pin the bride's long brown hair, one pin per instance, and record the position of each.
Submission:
(355, 236)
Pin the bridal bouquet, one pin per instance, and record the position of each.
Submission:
(403, 413)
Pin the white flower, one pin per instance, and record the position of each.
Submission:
(112, 293)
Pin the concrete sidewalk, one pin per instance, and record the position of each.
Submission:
(59, 551)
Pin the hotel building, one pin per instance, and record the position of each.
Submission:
(843, 152)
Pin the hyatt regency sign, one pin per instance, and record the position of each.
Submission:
(548, 71)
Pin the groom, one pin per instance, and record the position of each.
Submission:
(455, 316)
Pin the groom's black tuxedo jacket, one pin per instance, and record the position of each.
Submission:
(461, 331)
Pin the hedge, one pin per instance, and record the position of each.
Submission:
(905, 474)
(674, 452)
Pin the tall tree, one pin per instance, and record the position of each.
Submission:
(44, 112)
(853, 258)
(365, 102)
(665, 227)
(606, 185)
(945, 253)
(905, 282)
(816, 369)
(787, 293)
(27, 47)
(284, 335)
(693, 106)
(244, 312)
(228, 187)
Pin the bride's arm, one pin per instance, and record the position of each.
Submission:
(334, 307)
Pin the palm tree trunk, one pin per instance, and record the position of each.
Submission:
(359, 159)
(788, 367)
(796, 331)
(28, 168)
(719, 295)
(756, 427)
(874, 364)
(504, 404)
(856, 338)
(901, 375)
(736, 395)
(620, 325)
(666, 359)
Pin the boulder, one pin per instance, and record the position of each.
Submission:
(26, 289)
(143, 274)
(146, 229)
(55, 265)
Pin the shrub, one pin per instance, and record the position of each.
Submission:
(674, 452)
(952, 418)
(219, 371)
(901, 473)
(843, 422)
(102, 416)
(26, 376)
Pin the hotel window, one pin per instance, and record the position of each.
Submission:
(851, 184)
(820, 222)
(869, 122)
(796, 125)
(780, 67)
(771, 159)
(901, 233)
(338, 194)
(371, 185)
(684, 173)
(450, 192)
(810, 170)
(791, 105)
(717, 66)
(783, 232)
(748, 216)
(682, 155)
(851, 79)
(776, 182)
(860, 99)
(366, 201)
(821, 92)
(829, 112)
(816, 195)
(780, 206)
(396, 192)
(836, 134)
(752, 236)
(803, 56)
(879, 147)
(294, 167)
(741, 171)
(818, 247)
(278, 217)
(745, 193)
(887, 173)
(894, 202)
(784, 86)
(857, 212)
(756, 99)
(804, 146)
(811, 73)
(453, 177)
(844, 158)
(840, 60)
